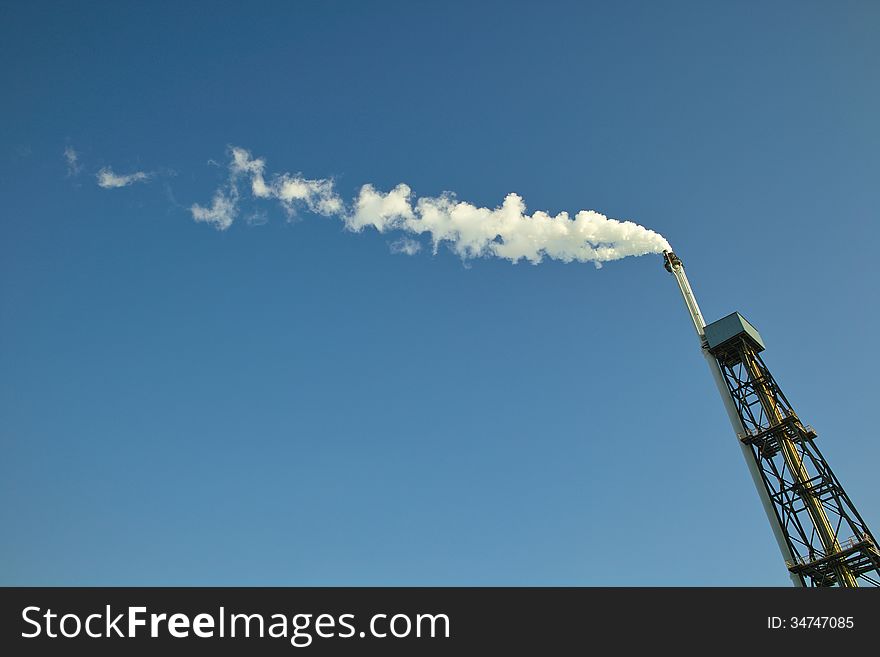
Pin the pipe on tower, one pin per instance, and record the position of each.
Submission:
(673, 265)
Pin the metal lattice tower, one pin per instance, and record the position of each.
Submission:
(823, 539)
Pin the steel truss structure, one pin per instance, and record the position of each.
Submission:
(823, 539)
(830, 543)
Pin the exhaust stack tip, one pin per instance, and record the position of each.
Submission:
(670, 260)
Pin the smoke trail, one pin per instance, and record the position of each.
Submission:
(471, 232)
(71, 157)
(109, 180)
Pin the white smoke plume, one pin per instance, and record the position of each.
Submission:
(223, 210)
(405, 245)
(71, 157)
(471, 232)
(109, 180)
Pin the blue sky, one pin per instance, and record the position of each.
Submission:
(291, 403)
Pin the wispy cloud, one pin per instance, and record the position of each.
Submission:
(291, 190)
(406, 246)
(109, 180)
(222, 211)
(71, 157)
(258, 218)
(506, 231)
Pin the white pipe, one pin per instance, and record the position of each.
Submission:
(690, 302)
